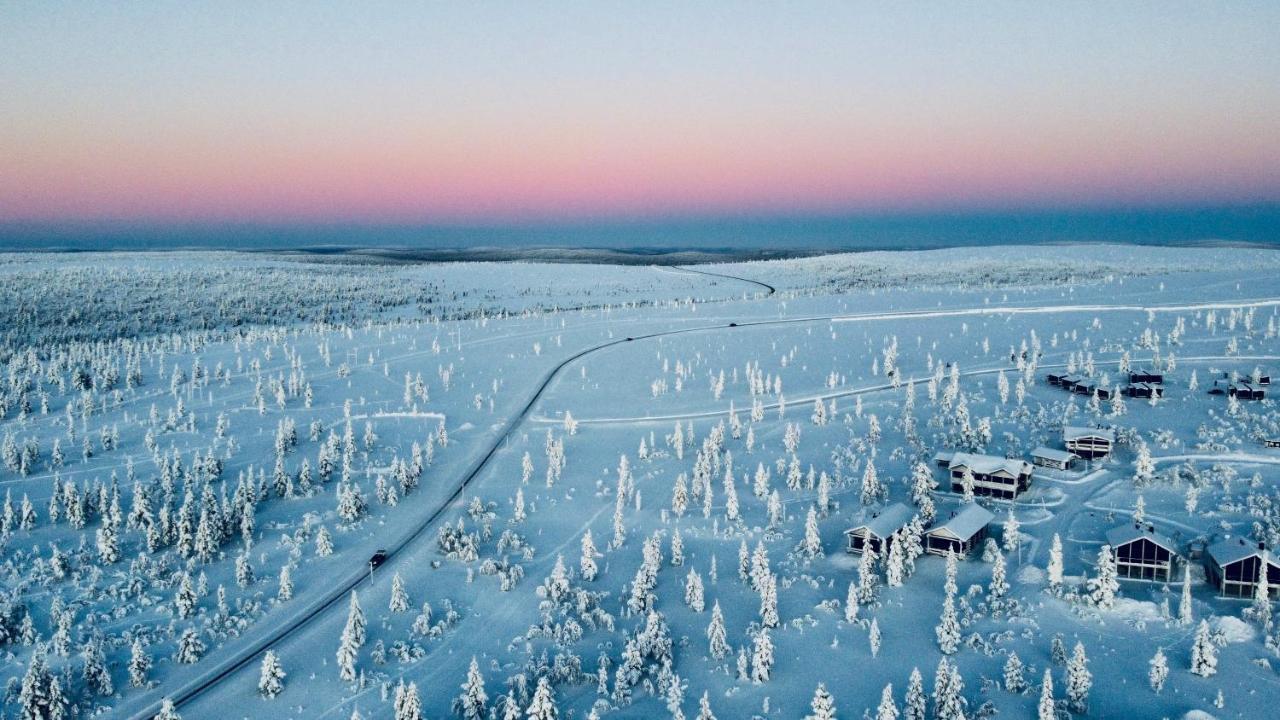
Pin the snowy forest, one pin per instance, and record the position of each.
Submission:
(1020, 482)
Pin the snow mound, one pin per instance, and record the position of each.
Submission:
(1136, 610)
(1198, 715)
(1030, 575)
(1234, 630)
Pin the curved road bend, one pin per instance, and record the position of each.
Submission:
(224, 669)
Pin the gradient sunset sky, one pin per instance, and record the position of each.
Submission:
(315, 112)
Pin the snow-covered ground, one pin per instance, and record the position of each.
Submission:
(490, 415)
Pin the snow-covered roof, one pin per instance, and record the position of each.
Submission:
(966, 523)
(1129, 532)
(1070, 433)
(1056, 455)
(944, 457)
(990, 464)
(888, 520)
(1227, 552)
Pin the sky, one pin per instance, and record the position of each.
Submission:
(312, 113)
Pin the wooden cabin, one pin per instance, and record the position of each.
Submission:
(1234, 566)
(1054, 378)
(960, 533)
(1144, 390)
(1143, 375)
(1271, 442)
(1056, 459)
(1141, 553)
(1089, 442)
(1246, 391)
(878, 529)
(993, 476)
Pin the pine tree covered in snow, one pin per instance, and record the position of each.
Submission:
(1046, 709)
(887, 709)
(543, 705)
(353, 637)
(270, 676)
(407, 705)
(1159, 670)
(471, 703)
(1079, 680)
(822, 706)
(1204, 654)
(916, 703)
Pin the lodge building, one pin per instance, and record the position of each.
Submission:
(1234, 566)
(877, 532)
(1089, 442)
(960, 533)
(1141, 553)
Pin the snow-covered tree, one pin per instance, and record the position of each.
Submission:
(1047, 709)
(1079, 680)
(1014, 679)
(948, 629)
(543, 704)
(399, 597)
(1055, 563)
(471, 703)
(407, 705)
(1204, 654)
(822, 706)
(1103, 587)
(916, 702)
(1159, 670)
(587, 565)
(353, 637)
(139, 664)
(762, 657)
(271, 676)
(717, 643)
(887, 709)
(811, 546)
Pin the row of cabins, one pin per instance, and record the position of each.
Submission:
(964, 530)
(1251, 387)
(1141, 553)
(1238, 389)
(1142, 384)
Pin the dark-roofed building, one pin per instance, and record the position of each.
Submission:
(1234, 566)
(1141, 553)
(992, 475)
(1143, 375)
(1089, 442)
(960, 533)
(876, 532)
(1054, 378)
(1271, 442)
(1144, 390)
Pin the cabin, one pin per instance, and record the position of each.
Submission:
(1069, 382)
(960, 533)
(1144, 390)
(1234, 566)
(1141, 553)
(1092, 388)
(1054, 378)
(1089, 442)
(1143, 375)
(1246, 391)
(1056, 459)
(877, 531)
(992, 476)
(1271, 442)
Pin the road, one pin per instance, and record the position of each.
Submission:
(343, 586)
